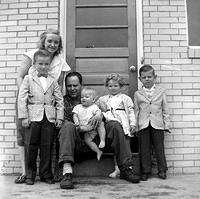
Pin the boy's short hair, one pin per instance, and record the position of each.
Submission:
(91, 90)
(146, 68)
(41, 53)
(115, 77)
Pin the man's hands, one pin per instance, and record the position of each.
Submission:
(58, 123)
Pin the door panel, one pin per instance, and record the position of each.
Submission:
(101, 39)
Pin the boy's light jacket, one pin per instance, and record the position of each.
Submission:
(33, 100)
(154, 110)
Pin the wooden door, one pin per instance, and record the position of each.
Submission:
(101, 39)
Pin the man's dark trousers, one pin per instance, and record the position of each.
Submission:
(115, 138)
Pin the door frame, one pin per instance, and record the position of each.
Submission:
(139, 30)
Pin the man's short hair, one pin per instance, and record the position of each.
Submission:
(74, 74)
(41, 53)
(146, 68)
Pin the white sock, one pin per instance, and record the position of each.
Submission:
(67, 168)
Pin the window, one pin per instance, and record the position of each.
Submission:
(193, 16)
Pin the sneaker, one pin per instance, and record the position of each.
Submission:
(162, 175)
(20, 179)
(126, 173)
(66, 182)
(30, 181)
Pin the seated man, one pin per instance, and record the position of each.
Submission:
(70, 138)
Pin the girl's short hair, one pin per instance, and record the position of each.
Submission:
(43, 37)
(115, 77)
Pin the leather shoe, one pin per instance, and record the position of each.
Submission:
(144, 177)
(47, 180)
(29, 181)
(162, 175)
(67, 182)
(20, 179)
(126, 173)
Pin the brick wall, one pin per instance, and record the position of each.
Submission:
(21, 23)
(165, 47)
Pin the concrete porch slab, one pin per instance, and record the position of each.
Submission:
(174, 187)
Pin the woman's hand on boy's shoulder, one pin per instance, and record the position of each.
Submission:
(26, 122)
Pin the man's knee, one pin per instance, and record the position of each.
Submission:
(68, 129)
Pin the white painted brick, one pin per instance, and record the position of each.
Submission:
(184, 150)
(28, 10)
(183, 163)
(197, 124)
(182, 85)
(174, 157)
(191, 92)
(175, 118)
(192, 143)
(17, 28)
(183, 124)
(53, 15)
(9, 12)
(47, 10)
(192, 156)
(161, 49)
(10, 125)
(6, 145)
(38, 4)
(48, 21)
(191, 117)
(197, 163)
(182, 111)
(149, 8)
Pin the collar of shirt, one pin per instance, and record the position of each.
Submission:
(150, 91)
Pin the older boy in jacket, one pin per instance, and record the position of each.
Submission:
(40, 107)
(152, 121)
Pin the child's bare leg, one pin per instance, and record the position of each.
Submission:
(92, 145)
(102, 133)
(116, 172)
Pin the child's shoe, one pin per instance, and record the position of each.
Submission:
(144, 177)
(162, 175)
(30, 181)
(20, 179)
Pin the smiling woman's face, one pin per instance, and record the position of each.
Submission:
(51, 43)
